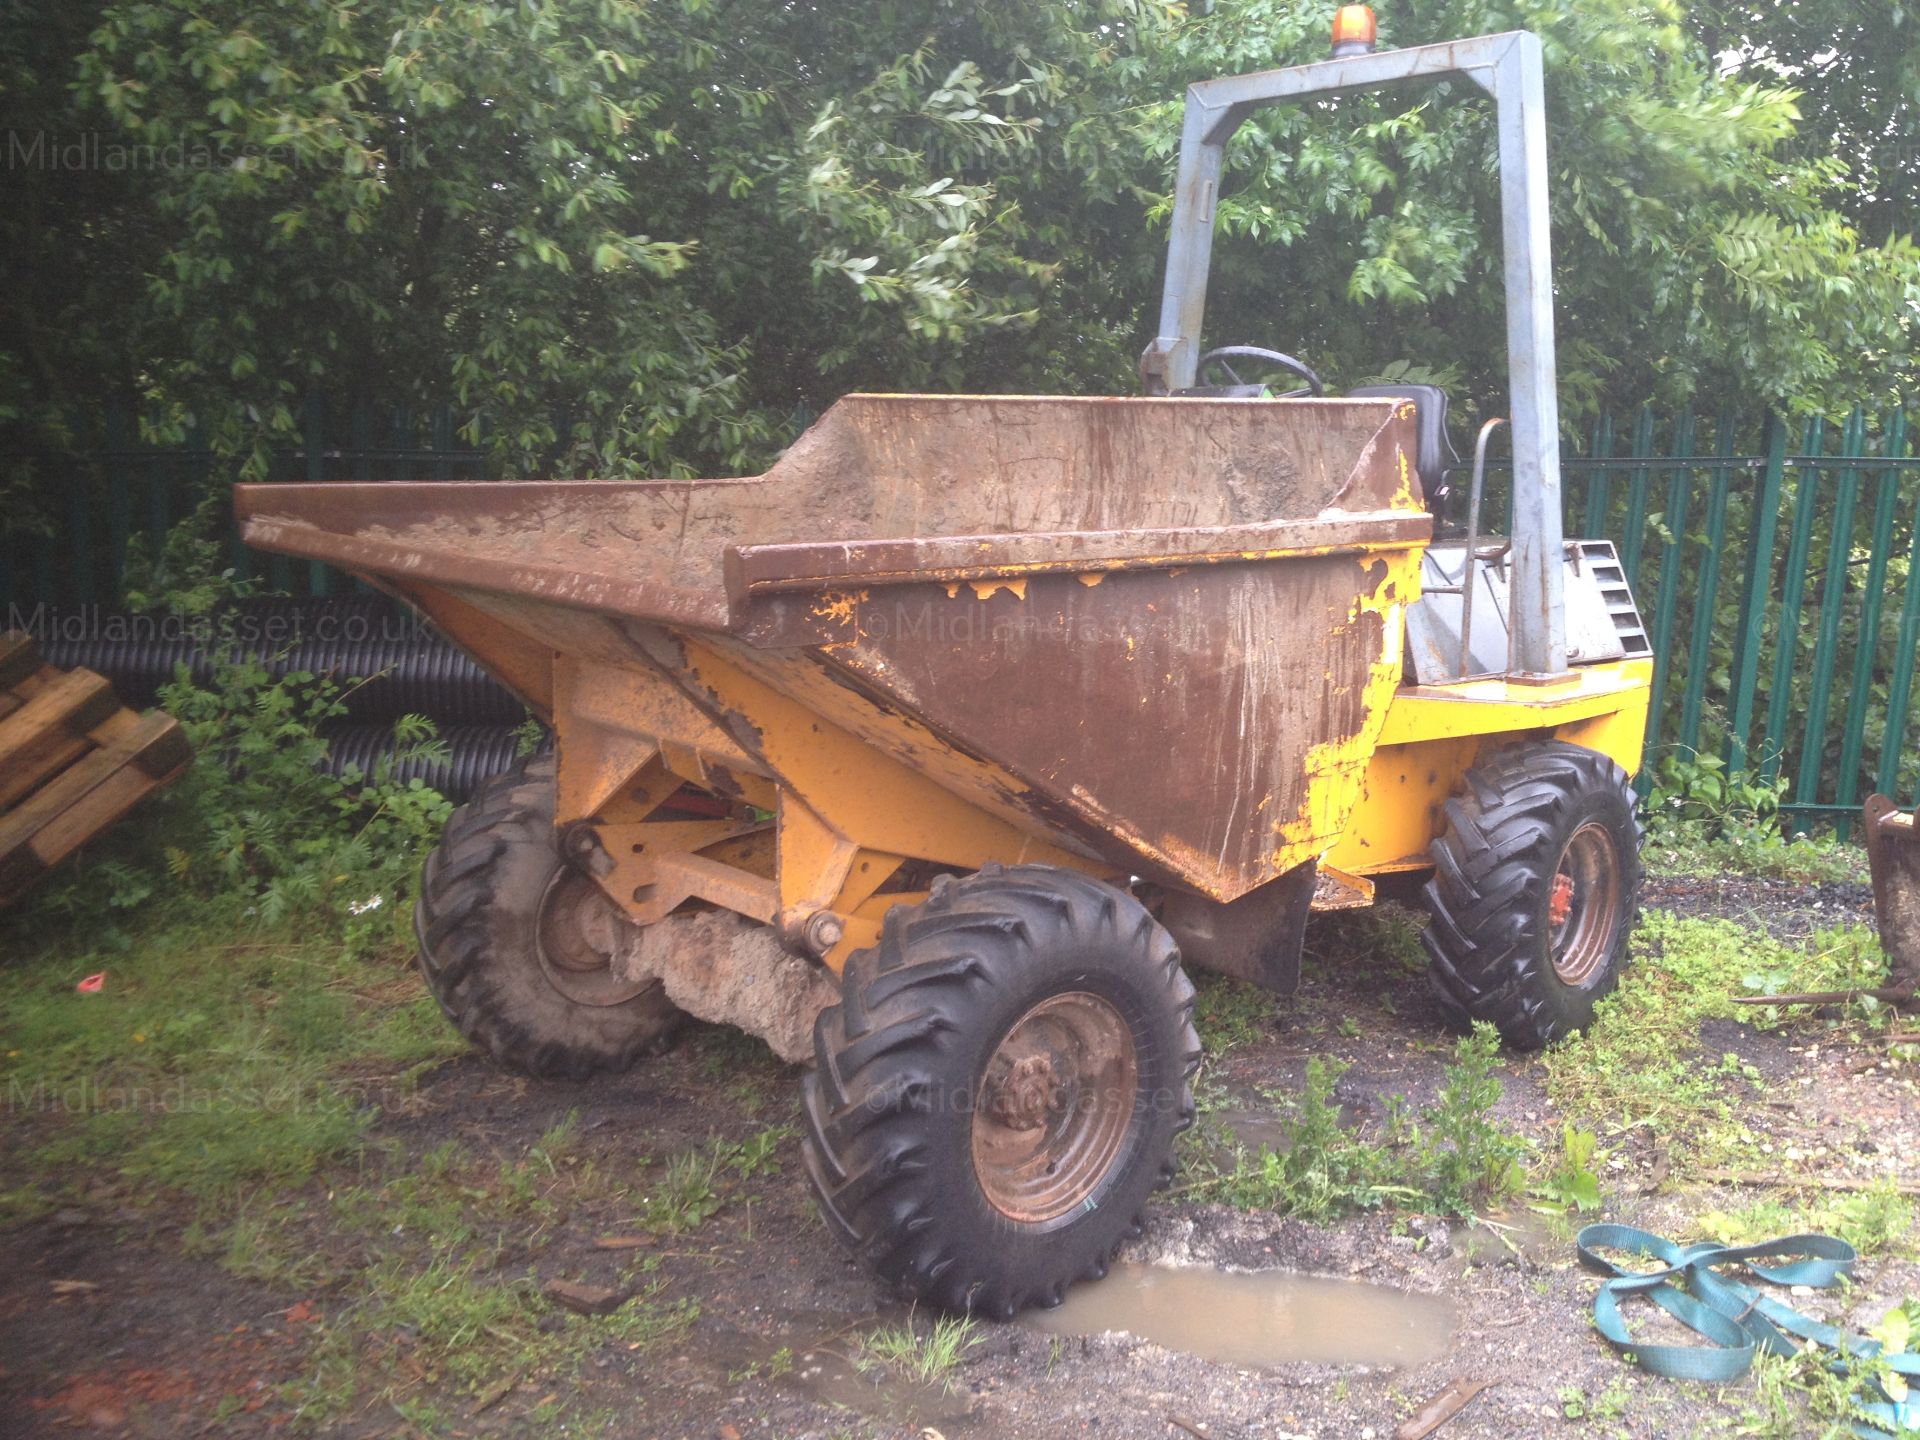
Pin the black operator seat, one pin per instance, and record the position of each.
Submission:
(1433, 452)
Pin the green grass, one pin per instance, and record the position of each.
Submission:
(1642, 1063)
(1610, 1404)
(257, 1009)
(462, 1326)
(1811, 1396)
(220, 1077)
(694, 1185)
(931, 1357)
(1363, 941)
(686, 1194)
(1844, 957)
(202, 1065)
(1875, 1222)
(267, 1242)
(1806, 860)
(1228, 1012)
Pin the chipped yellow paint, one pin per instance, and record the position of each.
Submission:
(1404, 497)
(953, 590)
(842, 608)
(1336, 769)
(987, 589)
(839, 607)
(1401, 805)
(1091, 578)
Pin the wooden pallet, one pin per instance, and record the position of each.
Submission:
(73, 760)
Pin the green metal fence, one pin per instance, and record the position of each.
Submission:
(120, 494)
(1773, 563)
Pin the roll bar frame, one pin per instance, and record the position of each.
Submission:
(1508, 67)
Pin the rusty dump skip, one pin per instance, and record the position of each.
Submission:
(1157, 633)
(1893, 855)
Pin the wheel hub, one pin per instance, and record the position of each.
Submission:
(1583, 906)
(1055, 1102)
(1022, 1093)
(577, 935)
(1560, 903)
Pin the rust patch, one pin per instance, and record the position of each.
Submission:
(1205, 722)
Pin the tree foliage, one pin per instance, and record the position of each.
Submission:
(639, 236)
(1858, 70)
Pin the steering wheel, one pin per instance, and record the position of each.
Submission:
(1272, 357)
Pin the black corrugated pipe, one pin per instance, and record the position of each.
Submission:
(407, 667)
(475, 752)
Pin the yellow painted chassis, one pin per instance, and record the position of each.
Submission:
(1193, 670)
(816, 867)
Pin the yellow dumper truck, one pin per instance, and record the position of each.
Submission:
(934, 754)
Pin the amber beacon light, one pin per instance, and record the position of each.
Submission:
(1353, 30)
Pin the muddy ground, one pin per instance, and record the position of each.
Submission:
(111, 1323)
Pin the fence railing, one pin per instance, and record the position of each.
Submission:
(1776, 581)
(1774, 564)
(121, 493)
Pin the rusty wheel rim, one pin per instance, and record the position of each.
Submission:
(577, 935)
(1583, 904)
(1053, 1107)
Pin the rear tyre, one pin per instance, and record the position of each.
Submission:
(998, 1091)
(1535, 887)
(517, 945)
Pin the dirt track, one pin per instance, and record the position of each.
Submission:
(107, 1326)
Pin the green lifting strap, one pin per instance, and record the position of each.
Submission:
(1738, 1319)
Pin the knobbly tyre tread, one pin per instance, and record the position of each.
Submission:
(1486, 942)
(893, 1044)
(480, 892)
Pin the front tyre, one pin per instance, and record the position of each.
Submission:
(1535, 886)
(518, 946)
(998, 1091)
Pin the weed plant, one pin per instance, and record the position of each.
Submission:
(1451, 1157)
(1703, 819)
(255, 837)
(1816, 1394)
(1642, 1064)
(931, 1357)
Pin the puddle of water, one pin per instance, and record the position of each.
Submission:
(1266, 1318)
(1255, 1128)
(808, 1363)
(1256, 1125)
(1523, 1235)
